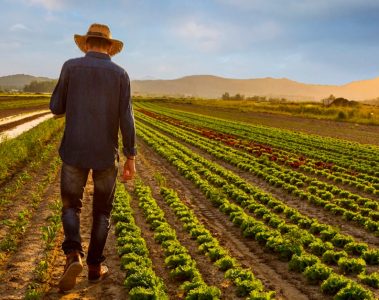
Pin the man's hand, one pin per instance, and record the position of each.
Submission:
(129, 168)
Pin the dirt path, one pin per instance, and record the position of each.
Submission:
(109, 288)
(367, 134)
(273, 273)
(13, 124)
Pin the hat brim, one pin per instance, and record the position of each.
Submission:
(116, 45)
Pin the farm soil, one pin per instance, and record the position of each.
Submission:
(272, 272)
(11, 125)
(16, 111)
(112, 286)
(366, 134)
(17, 273)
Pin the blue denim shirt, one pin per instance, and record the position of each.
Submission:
(94, 93)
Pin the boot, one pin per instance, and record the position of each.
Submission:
(72, 269)
(97, 273)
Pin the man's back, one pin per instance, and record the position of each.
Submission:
(94, 93)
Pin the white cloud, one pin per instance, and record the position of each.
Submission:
(204, 37)
(48, 4)
(301, 8)
(19, 27)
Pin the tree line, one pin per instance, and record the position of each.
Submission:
(40, 86)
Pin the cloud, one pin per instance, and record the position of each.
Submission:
(48, 4)
(303, 8)
(19, 27)
(202, 36)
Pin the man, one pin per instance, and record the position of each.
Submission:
(94, 94)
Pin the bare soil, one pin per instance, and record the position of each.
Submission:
(16, 111)
(11, 125)
(112, 286)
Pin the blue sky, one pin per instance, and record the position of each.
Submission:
(313, 41)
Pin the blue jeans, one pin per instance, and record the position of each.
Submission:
(73, 182)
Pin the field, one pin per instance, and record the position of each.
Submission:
(361, 113)
(222, 208)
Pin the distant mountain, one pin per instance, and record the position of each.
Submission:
(207, 86)
(213, 87)
(18, 81)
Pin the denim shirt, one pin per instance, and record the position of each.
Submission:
(94, 93)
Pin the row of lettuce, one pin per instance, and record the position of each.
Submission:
(352, 207)
(346, 155)
(285, 231)
(275, 156)
(141, 280)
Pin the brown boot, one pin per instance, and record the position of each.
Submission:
(97, 272)
(72, 269)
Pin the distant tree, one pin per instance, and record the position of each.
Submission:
(40, 86)
(328, 101)
(225, 96)
(344, 102)
(239, 97)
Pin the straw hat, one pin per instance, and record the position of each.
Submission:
(98, 31)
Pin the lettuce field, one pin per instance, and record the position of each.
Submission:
(219, 209)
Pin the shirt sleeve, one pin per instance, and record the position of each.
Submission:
(127, 125)
(59, 96)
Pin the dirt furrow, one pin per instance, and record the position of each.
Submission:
(112, 286)
(272, 272)
(10, 125)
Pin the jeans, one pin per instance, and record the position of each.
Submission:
(73, 182)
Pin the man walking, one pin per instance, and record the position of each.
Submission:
(94, 94)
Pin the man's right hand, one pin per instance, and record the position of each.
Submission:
(129, 168)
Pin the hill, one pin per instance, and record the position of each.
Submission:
(213, 87)
(207, 86)
(18, 81)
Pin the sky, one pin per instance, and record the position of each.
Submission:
(311, 41)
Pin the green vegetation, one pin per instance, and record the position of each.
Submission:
(40, 86)
(360, 113)
(25, 148)
(141, 281)
(14, 101)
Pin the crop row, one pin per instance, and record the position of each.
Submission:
(15, 152)
(255, 200)
(18, 225)
(353, 157)
(242, 278)
(141, 281)
(182, 266)
(348, 207)
(325, 144)
(278, 240)
(9, 191)
(328, 171)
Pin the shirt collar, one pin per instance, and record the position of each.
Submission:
(98, 55)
